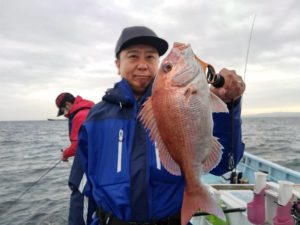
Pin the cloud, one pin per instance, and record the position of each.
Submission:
(48, 47)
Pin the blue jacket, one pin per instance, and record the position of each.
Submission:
(136, 188)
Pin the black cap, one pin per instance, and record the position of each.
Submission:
(140, 35)
(61, 100)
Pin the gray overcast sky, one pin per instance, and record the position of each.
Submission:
(49, 46)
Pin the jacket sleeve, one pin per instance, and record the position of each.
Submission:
(227, 127)
(82, 156)
(76, 124)
(82, 153)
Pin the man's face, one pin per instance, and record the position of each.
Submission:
(138, 64)
(66, 109)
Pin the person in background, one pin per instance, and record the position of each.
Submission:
(76, 110)
(124, 177)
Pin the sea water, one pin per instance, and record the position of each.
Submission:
(30, 149)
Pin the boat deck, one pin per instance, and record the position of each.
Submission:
(237, 196)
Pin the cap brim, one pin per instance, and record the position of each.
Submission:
(60, 112)
(158, 43)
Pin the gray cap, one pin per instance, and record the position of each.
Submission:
(140, 35)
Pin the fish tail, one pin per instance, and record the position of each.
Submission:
(202, 200)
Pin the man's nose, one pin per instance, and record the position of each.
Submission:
(142, 64)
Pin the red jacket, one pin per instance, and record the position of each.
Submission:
(77, 115)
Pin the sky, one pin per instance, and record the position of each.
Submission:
(50, 46)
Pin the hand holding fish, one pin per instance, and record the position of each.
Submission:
(233, 87)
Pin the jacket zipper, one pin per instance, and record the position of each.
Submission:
(120, 146)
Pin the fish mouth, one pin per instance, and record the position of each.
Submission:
(180, 46)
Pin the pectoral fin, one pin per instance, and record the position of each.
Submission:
(214, 157)
(217, 105)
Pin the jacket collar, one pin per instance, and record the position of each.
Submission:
(122, 94)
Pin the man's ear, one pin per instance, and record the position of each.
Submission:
(117, 62)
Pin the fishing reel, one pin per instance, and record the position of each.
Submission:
(214, 78)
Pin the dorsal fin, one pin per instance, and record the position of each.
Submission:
(202, 63)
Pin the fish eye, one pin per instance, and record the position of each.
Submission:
(167, 67)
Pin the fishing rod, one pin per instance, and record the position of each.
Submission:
(248, 49)
(33, 184)
(218, 81)
(235, 177)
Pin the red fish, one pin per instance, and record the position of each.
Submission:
(179, 117)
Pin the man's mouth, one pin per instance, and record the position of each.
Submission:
(142, 76)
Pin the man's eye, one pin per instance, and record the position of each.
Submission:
(151, 57)
(132, 56)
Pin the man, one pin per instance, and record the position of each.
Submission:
(117, 153)
(76, 110)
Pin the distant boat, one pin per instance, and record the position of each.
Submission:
(56, 119)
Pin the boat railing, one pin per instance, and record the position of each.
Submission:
(251, 163)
